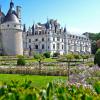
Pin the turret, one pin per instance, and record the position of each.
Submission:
(65, 30)
(33, 29)
(24, 28)
(11, 33)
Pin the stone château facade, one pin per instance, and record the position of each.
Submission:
(40, 38)
(51, 37)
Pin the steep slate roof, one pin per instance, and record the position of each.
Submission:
(11, 15)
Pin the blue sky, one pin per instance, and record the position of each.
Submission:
(77, 15)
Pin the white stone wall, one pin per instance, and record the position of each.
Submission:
(81, 44)
(12, 39)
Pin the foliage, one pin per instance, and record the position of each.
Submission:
(97, 58)
(90, 64)
(77, 56)
(21, 61)
(97, 87)
(98, 43)
(54, 91)
(93, 47)
(69, 57)
(85, 56)
(39, 57)
(47, 54)
(94, 37)
(56, 54)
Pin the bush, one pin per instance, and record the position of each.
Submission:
(97, 87)
(47, 54)
(77, 56)
(56, 54)
(56, 90)
(70, 57)
(97, 58)
(21, 61)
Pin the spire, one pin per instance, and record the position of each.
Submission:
(24, 28)
(33, 28)
(65, 29)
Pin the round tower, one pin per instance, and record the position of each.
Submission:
(11, 33)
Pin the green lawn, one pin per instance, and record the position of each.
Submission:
(38, 81)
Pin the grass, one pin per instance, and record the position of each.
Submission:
(38, 81)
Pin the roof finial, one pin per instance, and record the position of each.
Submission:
(11, 4)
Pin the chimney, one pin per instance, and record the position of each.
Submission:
(18, 11)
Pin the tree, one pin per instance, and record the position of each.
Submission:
(97, 58)
(84, 57)
(69, 57)
(98, 43)
(77, 56)
(39, 58)
(47, 54)
(93, 47)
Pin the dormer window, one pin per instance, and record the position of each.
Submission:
(8, 25)
(14, 25)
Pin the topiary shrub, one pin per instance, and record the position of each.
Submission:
(47, 54)
(56, 54)
(21, 61)
(97, 58)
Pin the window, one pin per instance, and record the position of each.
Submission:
(14, 25)
(53, 39)
(39, 32)
(58, 39)
(42, 39)
(53, 46)
(36, 46)
(62, 46)
(8, 25)
(29, 40)
(62, 40)
(30, 47)
(58, 46)
(42, 46)
(48, 47)
(36, 33)
(36, 39)
(48, 39)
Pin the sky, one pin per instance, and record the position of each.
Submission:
(77, 15)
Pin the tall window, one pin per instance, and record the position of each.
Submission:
(42, 39)
(58, 46)
(30, 47)
(53, 39)
(36, 46)
(53, 46)
(62, 46)
(29, 40)
(42, 46)
(58, 38)
(39, 32)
